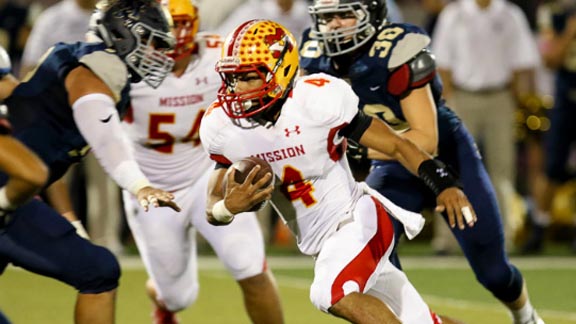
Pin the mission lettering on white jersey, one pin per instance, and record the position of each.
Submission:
(163, 123)
(305, 151)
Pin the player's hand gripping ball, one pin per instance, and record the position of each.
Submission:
(243, 168)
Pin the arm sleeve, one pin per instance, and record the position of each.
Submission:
(98, 121)
(357, 126)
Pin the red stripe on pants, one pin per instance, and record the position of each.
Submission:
(364, 264)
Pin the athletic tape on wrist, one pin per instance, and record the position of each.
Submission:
(221, 213)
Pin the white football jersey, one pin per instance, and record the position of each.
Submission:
(315, 187)
(163, 123)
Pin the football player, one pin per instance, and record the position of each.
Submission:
(391, 69)
(24, 172)
(300, 127)
(70, 103)
(163, 125)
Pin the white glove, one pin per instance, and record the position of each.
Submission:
(80, 230)
(5, 65)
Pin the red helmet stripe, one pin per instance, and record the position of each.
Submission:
(235, 37)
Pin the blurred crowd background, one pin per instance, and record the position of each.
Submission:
(496, 74)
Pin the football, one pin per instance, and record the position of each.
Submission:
(243, 168)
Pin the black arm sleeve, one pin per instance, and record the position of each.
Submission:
(357, 126)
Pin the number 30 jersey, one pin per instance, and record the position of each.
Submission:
(379, 70)
(163, 123)
(315, 188)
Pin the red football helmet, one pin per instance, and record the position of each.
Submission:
(260, 46)
(185, 16)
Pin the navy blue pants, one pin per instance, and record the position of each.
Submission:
(40, 240)
(483, 244)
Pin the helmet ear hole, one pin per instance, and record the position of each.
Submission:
(287, 70)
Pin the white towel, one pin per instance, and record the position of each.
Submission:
(413, 222)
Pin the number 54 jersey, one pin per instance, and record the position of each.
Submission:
(315, 188)
(163, 123)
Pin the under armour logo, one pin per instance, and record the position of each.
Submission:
(200, 81)
(295, 130)
(442, 172)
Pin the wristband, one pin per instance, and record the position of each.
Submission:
(437, 176)
(221, 213)
(4, 202)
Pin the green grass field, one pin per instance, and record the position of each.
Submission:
(446, 283)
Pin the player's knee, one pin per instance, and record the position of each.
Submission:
(178, 300)
(241, 257)
(320, 299)
(505, 284)
(101, 275)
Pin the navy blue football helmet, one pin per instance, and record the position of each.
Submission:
(139, 31)
(370, 17)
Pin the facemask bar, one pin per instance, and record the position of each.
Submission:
(148, 59)
(238, 105)
(342, 40)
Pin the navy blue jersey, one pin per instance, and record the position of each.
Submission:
(41, 115)
(372, 74)
(369, 76)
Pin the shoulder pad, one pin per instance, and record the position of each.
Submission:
(406, 48)
(414, 74)
(423, 65)
(109, 68)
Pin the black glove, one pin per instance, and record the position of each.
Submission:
(356, 151)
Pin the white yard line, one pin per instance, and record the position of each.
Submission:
(412, 262)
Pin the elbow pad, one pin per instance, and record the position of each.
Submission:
(97, 119)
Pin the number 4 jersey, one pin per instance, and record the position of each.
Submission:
(315, 188)
(163, 123)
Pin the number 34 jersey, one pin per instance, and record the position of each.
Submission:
(163, 123)
(315, 188)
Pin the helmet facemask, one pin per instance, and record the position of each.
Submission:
(148, 60)
(250, 104)
(186, 23)
(257, 50)
(139, 32)
(185, 29)
(346, 39)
